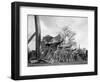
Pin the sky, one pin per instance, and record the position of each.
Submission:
(52, 25)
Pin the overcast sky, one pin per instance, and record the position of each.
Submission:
(52, 25)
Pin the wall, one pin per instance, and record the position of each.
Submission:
(5, 40)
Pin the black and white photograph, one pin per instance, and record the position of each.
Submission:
(61, 40)
(53, 40)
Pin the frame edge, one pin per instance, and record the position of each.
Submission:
(14, 41)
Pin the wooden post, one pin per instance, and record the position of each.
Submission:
(38, 36)
(31, 37)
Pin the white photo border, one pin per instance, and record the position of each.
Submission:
(41, 70)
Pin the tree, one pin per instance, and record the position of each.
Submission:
(69, 34)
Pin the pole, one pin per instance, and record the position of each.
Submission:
(38, 36)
